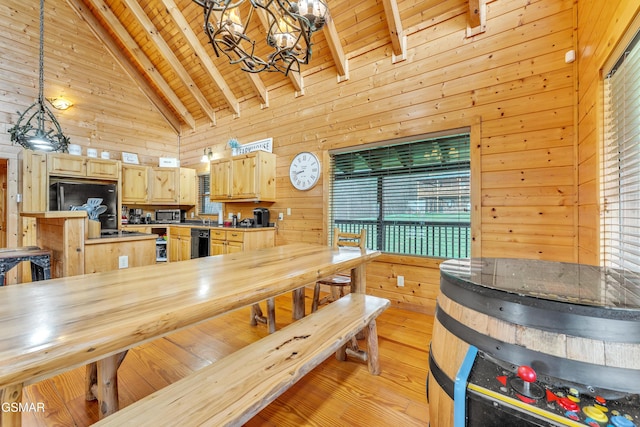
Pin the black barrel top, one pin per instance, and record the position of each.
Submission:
(579, 284)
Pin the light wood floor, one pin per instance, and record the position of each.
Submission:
(334, 394)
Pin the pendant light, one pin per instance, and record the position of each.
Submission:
(37, 127)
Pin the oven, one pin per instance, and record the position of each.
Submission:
(199, 242)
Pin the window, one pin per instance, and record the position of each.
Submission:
(620, 178)
(412, 198)
(207, 207)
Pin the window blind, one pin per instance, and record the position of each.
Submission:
(412, 198)
(206, 206)
(620, 171)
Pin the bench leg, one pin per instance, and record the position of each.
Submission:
(371, 335)
(9, 395)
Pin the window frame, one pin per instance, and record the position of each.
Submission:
(470, 126)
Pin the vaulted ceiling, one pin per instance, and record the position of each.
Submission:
(162, 46)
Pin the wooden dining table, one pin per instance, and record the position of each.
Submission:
(52, 326)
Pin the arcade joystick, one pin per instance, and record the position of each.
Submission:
(525, 385)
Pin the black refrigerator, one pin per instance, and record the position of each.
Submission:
(67, 193)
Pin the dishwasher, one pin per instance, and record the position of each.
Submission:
(199, 242)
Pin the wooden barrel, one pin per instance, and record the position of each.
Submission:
(572, 323)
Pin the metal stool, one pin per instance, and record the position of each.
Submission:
(40, 260)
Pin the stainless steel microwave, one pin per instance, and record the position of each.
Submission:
(170, 216)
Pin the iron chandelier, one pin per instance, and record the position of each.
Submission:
(289, 28)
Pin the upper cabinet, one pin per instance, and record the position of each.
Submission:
(61, 164)
(248, 177)
(164, 185)
(135, 184)
(145, 185)
(188, 187)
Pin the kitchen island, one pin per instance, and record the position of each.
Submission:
(64, 233)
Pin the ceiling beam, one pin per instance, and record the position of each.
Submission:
(476, 23)
(101, 34)
(170, 57)
(396, 31)
(333, 41)
(204, 57)
(142, 60)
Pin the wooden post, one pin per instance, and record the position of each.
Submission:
(91, 382)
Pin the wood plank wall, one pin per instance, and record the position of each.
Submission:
(597, 44)
(110, 112)
(512, 77)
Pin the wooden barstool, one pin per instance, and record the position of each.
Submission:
(338, 282)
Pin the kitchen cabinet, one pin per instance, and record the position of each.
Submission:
(164, 185)
(248, 177)
(103, 168)
(188, 187)
(179, 244)
(135, 184)
(146, 185)
(61, 164)
(227, 241)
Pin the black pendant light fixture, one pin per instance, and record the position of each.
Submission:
(37, 127)
(288, 24)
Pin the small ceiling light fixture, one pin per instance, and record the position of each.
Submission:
(207, 156)
(61, 103)
(30, 131)
(289, 29)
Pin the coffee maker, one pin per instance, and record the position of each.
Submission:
(135, 216)
(260, 217)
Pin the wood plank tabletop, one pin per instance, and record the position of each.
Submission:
(51, 326)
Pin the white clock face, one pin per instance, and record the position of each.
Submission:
(304, 171)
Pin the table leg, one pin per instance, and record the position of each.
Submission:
(106, 386)
(9, 395)
(359, 279)
(297, 301)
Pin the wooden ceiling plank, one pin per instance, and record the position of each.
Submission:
(143, 61)
(396, 31)
(101, 34)
(207, 63)
(171, 58)
(339, 58)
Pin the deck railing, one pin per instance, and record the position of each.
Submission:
(435, 239)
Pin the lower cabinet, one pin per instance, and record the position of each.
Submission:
(234, 240)
(179, 244)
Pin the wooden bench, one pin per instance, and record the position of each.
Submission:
(232, 390)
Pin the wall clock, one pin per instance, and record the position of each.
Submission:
(304, 170)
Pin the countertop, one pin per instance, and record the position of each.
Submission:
(118, 237)
(198, 224)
